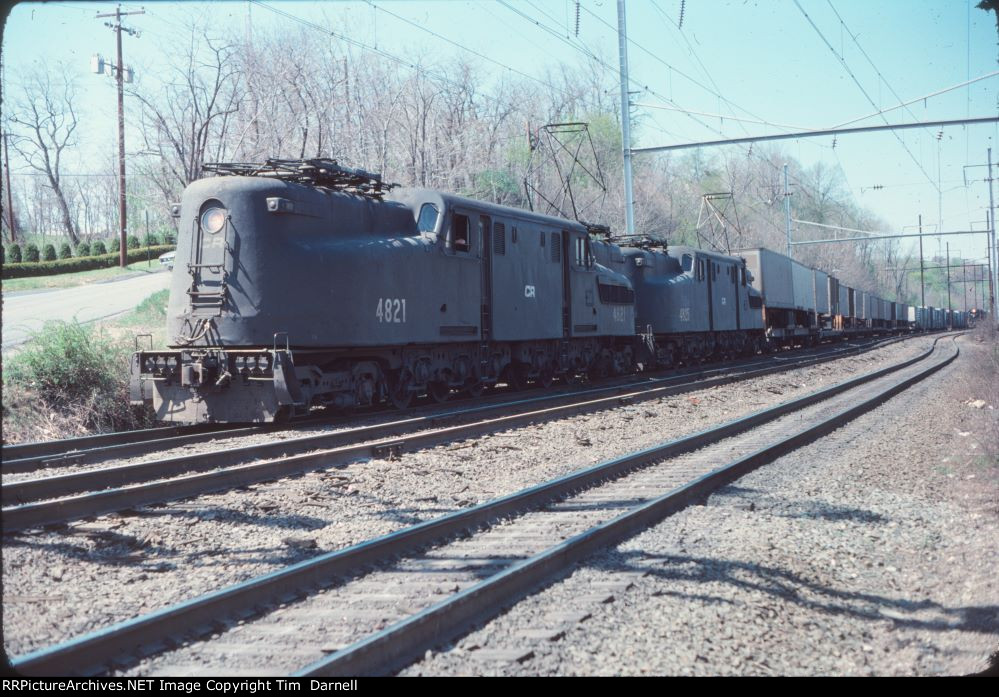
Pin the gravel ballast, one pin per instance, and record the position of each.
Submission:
(851, 556)
(60, 584)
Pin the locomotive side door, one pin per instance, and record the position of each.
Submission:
(580, 265)
(485, 245)
(459, 279)
(723, 297)
(559, 255)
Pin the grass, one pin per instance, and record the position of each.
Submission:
(70, 280)
(149, 317)
(71, 379)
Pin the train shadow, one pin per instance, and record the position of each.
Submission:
(756, 500)
(797, 590)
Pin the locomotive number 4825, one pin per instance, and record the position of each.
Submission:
(391, 310)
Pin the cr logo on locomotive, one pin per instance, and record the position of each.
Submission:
(529, 292)
(391, 310)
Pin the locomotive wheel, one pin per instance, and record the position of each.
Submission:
(399, 393)
(547, 376)
(517, 376)
(474, 388)
(439, 391)
(598, 371)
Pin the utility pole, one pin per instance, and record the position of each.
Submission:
(974, 286)
(993, 258)
(922, 283)
(120, 76)
(950, 310)
(992, 296)
(622, 42)
(964, 285)
(787, 211)
(10, 203)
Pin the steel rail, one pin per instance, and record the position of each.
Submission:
(28, 457)
(59, 485)
(65, 446)
(398, 645)
(52, 500)
(208, 613)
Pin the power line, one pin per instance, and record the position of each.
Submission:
(359, 44)
(672, 67)
(827, 132)
(589, 54)
(864, 53)
(703, 67)
(861, 87)
(461, 46)
(722, 116)
(919, 99)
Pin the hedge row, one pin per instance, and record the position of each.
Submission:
(51, 268)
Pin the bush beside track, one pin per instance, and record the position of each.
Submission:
(71, 379)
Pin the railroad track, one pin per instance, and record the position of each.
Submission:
(37, 502)
(374, 607)
(29, 457)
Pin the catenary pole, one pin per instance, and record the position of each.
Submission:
(922, 281)
(622, 40)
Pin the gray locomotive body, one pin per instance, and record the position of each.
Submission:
(287, 295)
(694, 303)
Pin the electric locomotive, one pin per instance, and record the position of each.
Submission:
(304, 283)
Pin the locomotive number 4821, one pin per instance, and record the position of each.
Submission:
(391, 310)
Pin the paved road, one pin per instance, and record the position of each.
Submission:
(25, 312)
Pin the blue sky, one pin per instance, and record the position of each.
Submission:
(754, 59)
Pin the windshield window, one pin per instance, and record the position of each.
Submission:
(428, 218)
(688, 262)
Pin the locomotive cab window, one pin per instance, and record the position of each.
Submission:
(584, 256)
(687, 263)
(458, 238)
(428, 218)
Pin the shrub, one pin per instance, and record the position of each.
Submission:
(48, 254)
(150, 240)
(15, 254)
(114, 244)
(65, 252)
(83, 249)
(51, 268)
(132, 242)
(63, 360)
(3, 255)
(31, 253)
(99, 249)
(71, 374)
(169, 237)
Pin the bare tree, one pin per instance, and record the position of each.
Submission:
(45, 119)
(186, 121)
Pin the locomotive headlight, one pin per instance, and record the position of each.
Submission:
(213, 220)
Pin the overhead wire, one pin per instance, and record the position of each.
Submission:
(846, 67)
(373, 49)
(714, 92)
(459, 45)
